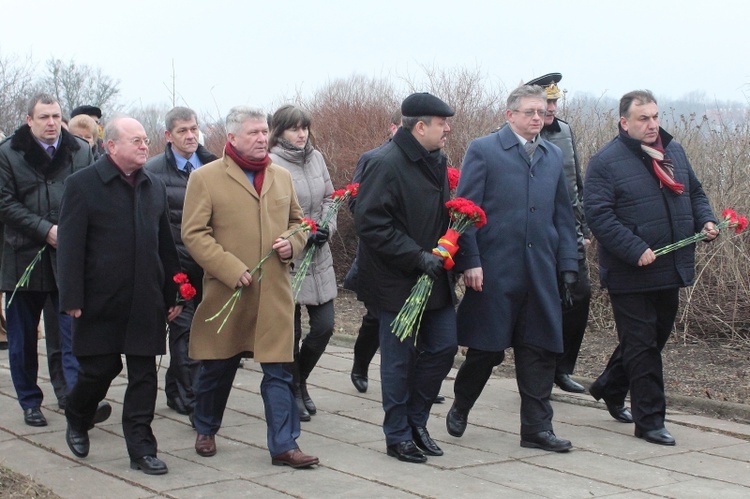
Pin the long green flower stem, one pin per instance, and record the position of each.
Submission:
(232, 301)
(299, 276)
(409, 318)
(698, 236)
(26, 276)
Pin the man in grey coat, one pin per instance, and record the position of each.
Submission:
(529, 240)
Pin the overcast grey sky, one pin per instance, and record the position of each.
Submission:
(230, 52)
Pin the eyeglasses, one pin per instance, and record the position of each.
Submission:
(139, 141)
(529, 113)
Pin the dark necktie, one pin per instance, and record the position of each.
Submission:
(51, 151)
(530, 147)
(189, 167)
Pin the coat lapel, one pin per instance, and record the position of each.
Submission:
(236, 174)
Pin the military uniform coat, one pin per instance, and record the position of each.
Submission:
(529, 238)
(227, 228)
(116, 259)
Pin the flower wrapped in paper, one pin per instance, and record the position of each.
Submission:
(463, 214)
(730, 221)
(339, 197)
(305, 224)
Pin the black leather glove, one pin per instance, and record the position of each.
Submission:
(567, 283)
(430, 264)
(319, 237)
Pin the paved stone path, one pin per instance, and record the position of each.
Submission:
(711, 458)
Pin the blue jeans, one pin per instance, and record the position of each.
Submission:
(212, 393)
(22, 322)
(411, 374)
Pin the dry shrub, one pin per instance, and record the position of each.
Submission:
(350, 116)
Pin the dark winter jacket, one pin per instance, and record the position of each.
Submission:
(31, 187)
(164, 166)
(628, 212)
(400, 212)
(117, 259)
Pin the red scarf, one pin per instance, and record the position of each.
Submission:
(663, 166)
(257, 167)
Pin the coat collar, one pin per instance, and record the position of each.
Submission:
(238, 175)
(204, 155)
(108, 171)
(23, 141)
(635, 145)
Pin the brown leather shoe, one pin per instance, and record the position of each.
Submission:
(294, 458)
(205, 445)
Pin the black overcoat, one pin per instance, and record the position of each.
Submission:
(401, 212)
(116, 259)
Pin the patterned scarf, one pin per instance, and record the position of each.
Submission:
(257, 167)
(662, 166)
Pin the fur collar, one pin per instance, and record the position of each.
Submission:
(23, 141)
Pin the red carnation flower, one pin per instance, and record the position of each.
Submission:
(180, 278)
(187, 291)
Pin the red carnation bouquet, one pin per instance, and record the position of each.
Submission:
(305, 224)
(731, 221)
(454, 175)
(186, 291)
(340, 197)
(463, 214)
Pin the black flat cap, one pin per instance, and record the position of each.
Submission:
(549, 83)
(87, 110)
(425, 104)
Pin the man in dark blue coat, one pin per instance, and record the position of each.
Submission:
(400, 215)
(642, 194)
(511, 266)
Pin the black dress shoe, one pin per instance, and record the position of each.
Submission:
(424, 441)
(150, 465)
(439, 399)
(660, 436)
(3, 345)
(34, 417)
(78, 442)
(103, 412)
(455, 421)
(545, 440)
(566, 384)
(619, 412)
(406, 451)
(359, 381)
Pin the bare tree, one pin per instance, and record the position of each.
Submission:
(74, 85)
(16, 78)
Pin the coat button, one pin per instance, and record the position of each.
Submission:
(531, 175)
(530, 245)
(532, 209)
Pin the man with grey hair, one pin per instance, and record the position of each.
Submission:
(181, 156)
(237, 209)
(117, 258)
(511, 266)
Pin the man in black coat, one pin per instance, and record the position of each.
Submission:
(35, 163)
(181, 156)
(642, 194)
(117, 260)
(400, 215)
